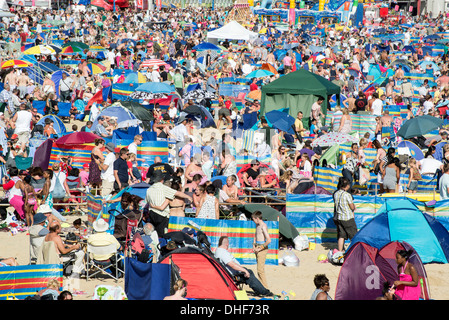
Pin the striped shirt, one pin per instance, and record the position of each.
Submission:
(342, 199)
(156, 195)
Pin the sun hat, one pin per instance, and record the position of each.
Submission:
(39, 218)
(43, 208)
(110, 146)
(100, 225)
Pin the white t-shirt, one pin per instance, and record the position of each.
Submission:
(377, 107)
(429, 165)
(23, 121)
(132, 148)
(108, 174)
(62, 177)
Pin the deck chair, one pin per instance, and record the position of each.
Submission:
(130, 232)
(39, 105)
(95, 267)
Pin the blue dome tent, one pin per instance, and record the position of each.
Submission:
(401, 220)
(58, 125)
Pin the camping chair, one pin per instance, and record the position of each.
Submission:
(130, 232)
(64, 110)
(95, 267)
(23, 163)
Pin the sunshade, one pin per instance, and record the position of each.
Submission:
(281, 120)
(259, 73)
(96, 68)
(97, 48)
(15, 63)
(156, 87)
(70, 50)
(39, 50)
(419, 126)
(254, 95)
(333, 138)
(77, 138)
(76, 44)
(268, 213)
(150, 63)
(198, 94)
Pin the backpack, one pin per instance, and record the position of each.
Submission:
(58, 192)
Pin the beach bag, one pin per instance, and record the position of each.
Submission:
(335, 257)
(58, 192)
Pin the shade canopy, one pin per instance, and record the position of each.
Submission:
(297, 91)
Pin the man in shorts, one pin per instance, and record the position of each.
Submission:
(344, 213)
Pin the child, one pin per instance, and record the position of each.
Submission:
(314, 130)
(230, 188)
(134, 173)
(414, 176)
(84, 174)
(30, 201)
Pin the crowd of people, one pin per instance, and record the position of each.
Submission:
(129, 40)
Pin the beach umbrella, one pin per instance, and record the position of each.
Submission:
(286, 228)
(269, 67)
(254, 95)
(150, 63)
(142, 95)
(39, 50)
(281, 121)
(431, 37)
(433, 65)
(204, 46)
(401, 62)
(156, 87)
(54, 23)
(259, 73)
(78, 44)
(96, 68)
(71, 50)
(97, 48)
(15, 63)
(77, 138)
(57, 49)
(198, 94)
(334, 138)
(419, 126)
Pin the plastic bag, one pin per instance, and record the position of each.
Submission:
(301, 242)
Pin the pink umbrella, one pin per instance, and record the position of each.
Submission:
(150, 63)
(77, 138)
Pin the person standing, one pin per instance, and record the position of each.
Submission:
(121, 175)
(260, 245)
(37, 233)
(22, 120)
(443, 185)
(156, 196)
(344, 213)
(107, 170)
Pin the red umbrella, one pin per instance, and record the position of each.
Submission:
(77, 138)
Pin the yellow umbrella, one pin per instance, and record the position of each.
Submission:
(15, 63)
(40, 49)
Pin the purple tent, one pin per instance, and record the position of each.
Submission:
(363, 274)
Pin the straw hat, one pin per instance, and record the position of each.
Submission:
(100, 225)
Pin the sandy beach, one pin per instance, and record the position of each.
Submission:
(296, 281)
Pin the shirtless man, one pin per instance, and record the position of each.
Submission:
(386, 120)
(260, 246)
(23, 81)
(11, 79)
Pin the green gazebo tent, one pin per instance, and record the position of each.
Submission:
(297, 91)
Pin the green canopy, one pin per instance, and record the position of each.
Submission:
(297, 91)
(286, 228)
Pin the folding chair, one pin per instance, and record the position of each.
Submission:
(64, 109)
(130, 231)
(95, 267)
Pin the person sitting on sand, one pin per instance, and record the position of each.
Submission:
(180, 290)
